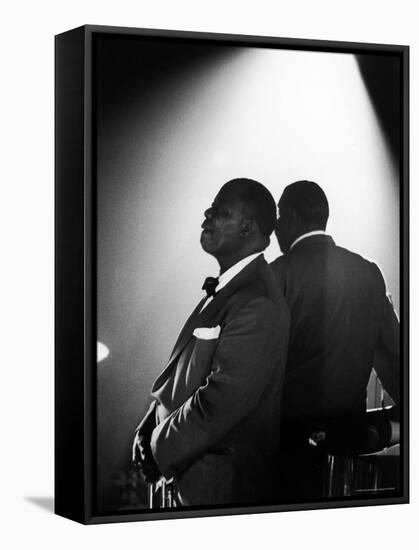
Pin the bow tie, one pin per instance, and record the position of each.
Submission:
(210, 284)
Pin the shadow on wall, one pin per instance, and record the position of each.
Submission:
(382, 75)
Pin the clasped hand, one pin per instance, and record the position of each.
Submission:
(143, 457)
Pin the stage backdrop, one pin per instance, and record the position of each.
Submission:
(174, 122)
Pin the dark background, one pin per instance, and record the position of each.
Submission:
(175, 120)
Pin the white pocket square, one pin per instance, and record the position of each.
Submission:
(207, 333)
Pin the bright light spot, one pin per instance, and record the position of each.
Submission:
(102, 352)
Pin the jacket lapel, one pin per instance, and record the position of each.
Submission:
(179, 342)
(186, 330)
(204, 318)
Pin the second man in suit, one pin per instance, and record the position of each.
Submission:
(342, 325)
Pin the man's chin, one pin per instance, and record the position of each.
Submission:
(206, 247)
(207, 242)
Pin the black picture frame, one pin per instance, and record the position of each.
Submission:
(76, 270)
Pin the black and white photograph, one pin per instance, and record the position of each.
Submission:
(248, 246)
(209, 272)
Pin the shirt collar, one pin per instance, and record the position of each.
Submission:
(310, 234)
(235, 270)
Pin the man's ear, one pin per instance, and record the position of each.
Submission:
(248, 228)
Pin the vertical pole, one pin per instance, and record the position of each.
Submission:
(348, 476)
(163, 493)
(375, 471)
(150, 495)
(169, 497)
(331, 463)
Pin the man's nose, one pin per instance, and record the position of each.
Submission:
(208, 213)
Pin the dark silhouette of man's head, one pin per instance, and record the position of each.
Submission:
(302, 208)
(239, 221)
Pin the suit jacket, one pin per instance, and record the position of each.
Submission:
(216, 405)
(342, 325)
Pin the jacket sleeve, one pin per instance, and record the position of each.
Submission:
(148, 423)
(387, 352)
(251, 345)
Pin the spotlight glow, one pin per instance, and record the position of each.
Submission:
(275, 116)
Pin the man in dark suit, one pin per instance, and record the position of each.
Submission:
(342, 325)
(213, 424)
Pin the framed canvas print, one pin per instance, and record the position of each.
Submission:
(231, 274)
